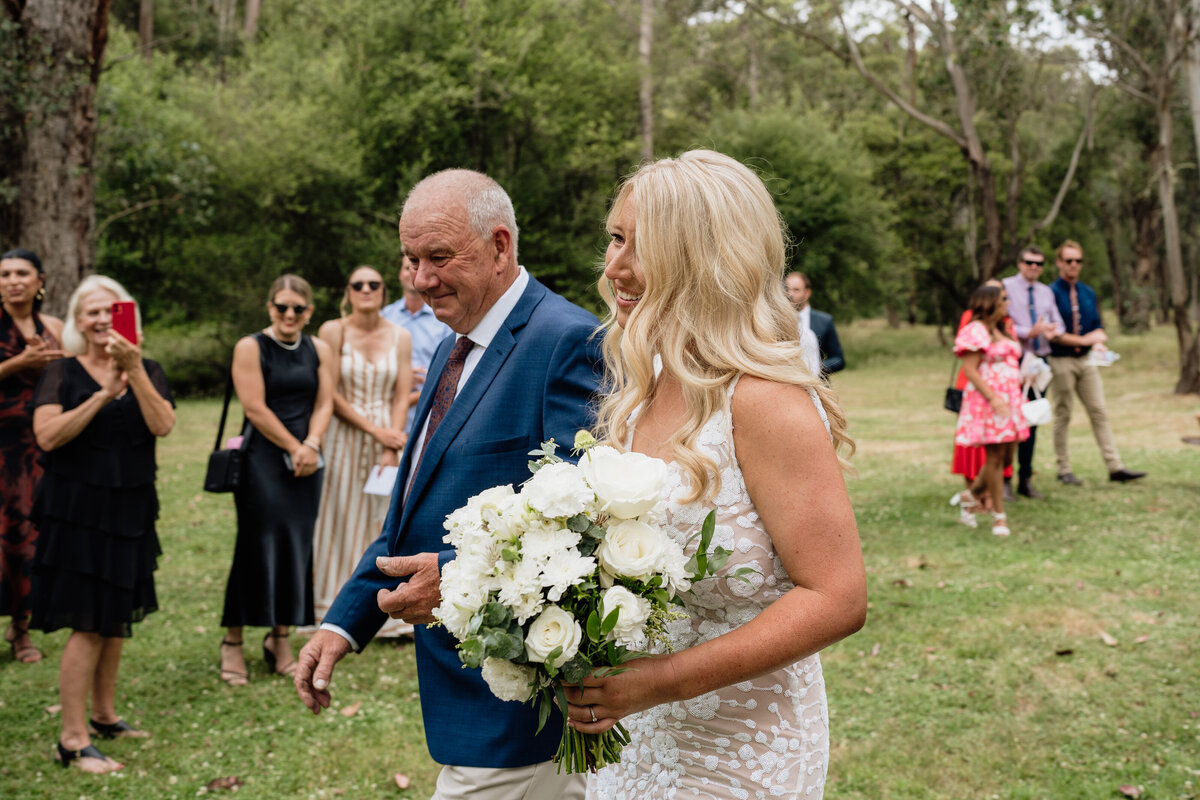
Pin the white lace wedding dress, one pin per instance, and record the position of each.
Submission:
(763, 738)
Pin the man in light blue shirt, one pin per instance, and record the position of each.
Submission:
(411, 313)
(1036, 319)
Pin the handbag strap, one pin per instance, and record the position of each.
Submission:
(954, 368)
(224, 410)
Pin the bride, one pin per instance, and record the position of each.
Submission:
(708, 374)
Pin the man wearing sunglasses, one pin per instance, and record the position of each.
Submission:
(1036, 319)
(1074, 373)
(522, 367)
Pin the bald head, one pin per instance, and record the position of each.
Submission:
(481, 200)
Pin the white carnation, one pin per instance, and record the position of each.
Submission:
(627, 485)
(558, 490)
(463, 594)
(632, 549)
(507, 680)
(540, 543)
(563, 570)
(553, 628)
(633, 611)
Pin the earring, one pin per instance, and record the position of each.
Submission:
(41, 293)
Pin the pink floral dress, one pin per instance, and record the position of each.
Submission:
(1000, 367)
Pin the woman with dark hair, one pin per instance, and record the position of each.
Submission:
(97, 417)
(370, 407)
(284, 381)
(29, 341)
(991, 409)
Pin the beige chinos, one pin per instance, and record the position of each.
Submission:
(1076, 376)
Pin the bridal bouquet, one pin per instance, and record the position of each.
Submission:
(571, 576)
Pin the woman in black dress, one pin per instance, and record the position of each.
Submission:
(285, 382)
(29, 340)
(97, 418)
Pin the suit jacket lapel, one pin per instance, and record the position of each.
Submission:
(468, 398)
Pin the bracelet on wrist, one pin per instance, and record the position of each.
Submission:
(313, 444)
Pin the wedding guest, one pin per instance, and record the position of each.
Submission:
(370, 406)
(29, 340)
(284, 380)
(414, 315)
(705, 366)
(968, 461)
(97, 417)
(991, 408)
(799, 290)
(1074, 372)
(521, 369)
(1036, 321)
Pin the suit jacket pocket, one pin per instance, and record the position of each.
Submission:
(501, 445)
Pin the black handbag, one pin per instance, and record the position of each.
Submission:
(953, 401)
(224, 466)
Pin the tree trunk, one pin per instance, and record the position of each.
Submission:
(1143, 285)
(646, 90)
(146, 28)
(252, 9)
(1191, 66)
(1110, 229)
(64, 41)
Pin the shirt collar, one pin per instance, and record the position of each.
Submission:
(485, 330)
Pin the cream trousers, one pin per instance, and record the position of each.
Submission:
(1075, 376)
(537, 782)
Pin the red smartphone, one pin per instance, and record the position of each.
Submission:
(124, 319)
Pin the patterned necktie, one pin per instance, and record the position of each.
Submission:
(1037, 342)
(1075, 316)
(443, 395)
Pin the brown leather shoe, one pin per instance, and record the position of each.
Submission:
(1069, 479)
(1025, 489)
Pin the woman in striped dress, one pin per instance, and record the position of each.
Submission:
(370, 406)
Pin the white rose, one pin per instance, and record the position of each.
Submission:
(633, 611)
(553, 628)
(628, 485)
(558, 490)
(507, 680)
(632, 549)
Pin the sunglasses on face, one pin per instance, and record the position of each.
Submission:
(1034, 263)
(373, 285)
(1072, 260)
(282, 309)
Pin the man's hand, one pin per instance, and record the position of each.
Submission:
(314, 668)
(415, 600)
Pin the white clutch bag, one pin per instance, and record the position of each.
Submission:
(1037, 412)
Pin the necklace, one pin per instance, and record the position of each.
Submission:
(281, 343)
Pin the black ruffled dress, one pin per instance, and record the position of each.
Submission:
(96, 510)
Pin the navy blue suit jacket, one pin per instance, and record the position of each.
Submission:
(536, 380)
(831, 349)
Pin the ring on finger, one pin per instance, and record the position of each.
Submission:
(592, 711)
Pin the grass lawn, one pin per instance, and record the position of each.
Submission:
(1057, 663)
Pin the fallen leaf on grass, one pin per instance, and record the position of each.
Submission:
(903, 583)
(915, 562)
(54, 709)
(351, 710)
(1141, 639)
(228, 782)
(1064, 651)
(875, 650)
(1108, 638)
(401, 780)
(1130, 791)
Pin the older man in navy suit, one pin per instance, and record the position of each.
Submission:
(820, 323)
(521, 368)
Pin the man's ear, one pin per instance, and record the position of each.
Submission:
(502, 243)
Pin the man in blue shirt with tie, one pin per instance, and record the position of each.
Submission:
(1036, 320)
(1073, 371)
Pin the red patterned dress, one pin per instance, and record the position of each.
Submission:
(19, 470)
(1000, 368)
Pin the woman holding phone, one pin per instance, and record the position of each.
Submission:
(97, 417)
(29, 340)
(284, 381)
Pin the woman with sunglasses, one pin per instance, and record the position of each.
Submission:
(370, 406)
(284, 381)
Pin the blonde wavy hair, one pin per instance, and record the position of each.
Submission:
(73, 338)
(713, 250)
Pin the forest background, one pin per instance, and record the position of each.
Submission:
(913, 147)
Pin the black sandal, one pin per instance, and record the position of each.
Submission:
(65, 756)
(117, 730)
(270, 658)
(232, 676)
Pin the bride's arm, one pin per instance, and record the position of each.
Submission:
(794, 479)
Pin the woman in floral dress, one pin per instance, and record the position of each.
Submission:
(991, 410)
